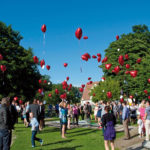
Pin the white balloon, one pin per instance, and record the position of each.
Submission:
(103, 91)
(103, 80)
(49, 83)
(118, 49)
(121, 96)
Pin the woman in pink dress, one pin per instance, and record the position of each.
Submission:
(142, 115)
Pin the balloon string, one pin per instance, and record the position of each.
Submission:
(44, 43)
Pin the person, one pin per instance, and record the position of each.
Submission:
(70, 114)
(24, 116)
(57, 109)
(140, 126)
(95, 111)
(75, 114)
(5, 124)
(90, 110)
(142, 115)
(133, 113)
(99, 116)
(108, 122)
(50, 108)
(82, 111)
(147, 120)
(115, 109)
(35, 109)
(42, 115)
(35, 126)
(125, 118)
(120, 108)
(27, 112)
(64, 113)
(87, 112)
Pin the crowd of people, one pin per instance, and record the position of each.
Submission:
(106, 114)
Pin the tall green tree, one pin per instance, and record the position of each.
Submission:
(22, 75)
(100, 91)
(137, 45)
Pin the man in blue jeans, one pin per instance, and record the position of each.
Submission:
(5, 124)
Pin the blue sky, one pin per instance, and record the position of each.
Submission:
(100, 20)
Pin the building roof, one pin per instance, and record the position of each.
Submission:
(86, 92)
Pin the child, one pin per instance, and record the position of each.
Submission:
(140, 126)
(24, 116)
(35, 126)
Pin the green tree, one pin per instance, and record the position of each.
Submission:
(101, 90)
(22, 75)
(136, 45)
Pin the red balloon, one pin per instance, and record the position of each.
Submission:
(91, 82)
(103, 78)
(42, 63)
(138, 60)
(67, 78)
(109, 94)
(40, 81)
(89, 78)
(145, 91)
(133, 73)
(83, 85)
(56, 91)
(35, 59)
(127, 72)
(87, 55)
(78, 33)
(94, 94)
(98, 54)
(148, 80)
(45, 81)
(81, 90)
(16, 98)
(64, 87)
(70, 85)
(117, 37)
(20, 101)
(40, 91)
(3, 68)
(69, 89)
(148, 97)
(1, 57)
(64, 83)
(99, 59)
(105, 59)
(94, 56)
(84, 58)
(43, 28)
(117, 69)
(65, 64)
(127, 66)
(121, 100)
(50, 95)
(48, 67)
(121, 60)
(85, 37)
(131, 96)
(126, 56)
(107, 66)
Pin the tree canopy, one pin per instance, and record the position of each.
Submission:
(21, 76)
(137, 45)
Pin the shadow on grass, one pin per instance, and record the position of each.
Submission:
(49, 130)
(85, 133)
(80, 131)
(68, 148)
(59, 142)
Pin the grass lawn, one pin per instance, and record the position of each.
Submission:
(77, 139)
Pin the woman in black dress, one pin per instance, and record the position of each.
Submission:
(108, 122)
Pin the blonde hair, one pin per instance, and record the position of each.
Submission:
(5, 101)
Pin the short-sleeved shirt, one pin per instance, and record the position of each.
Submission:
(147, 110)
